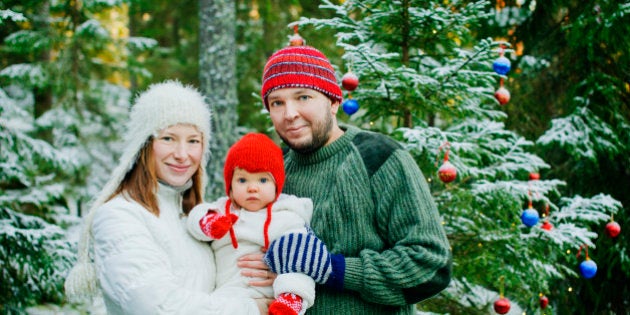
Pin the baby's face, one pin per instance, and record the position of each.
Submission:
(252, 191)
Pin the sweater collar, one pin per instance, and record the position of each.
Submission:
(170, 197)
(176, 189)
(328, 150)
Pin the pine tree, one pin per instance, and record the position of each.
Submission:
(425, 79)
(62, 96)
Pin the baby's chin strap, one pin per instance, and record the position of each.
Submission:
(267, 223)
(228, 205)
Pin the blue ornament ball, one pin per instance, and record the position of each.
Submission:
(350, 106)
(588, 269)
(502, 65)
(530, 217)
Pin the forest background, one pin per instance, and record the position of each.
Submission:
(70, 70)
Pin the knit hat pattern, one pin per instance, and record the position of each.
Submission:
(255, 152)
(162, 105)
(300, 66)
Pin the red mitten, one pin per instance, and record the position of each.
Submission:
(216, 225)
(286, 304)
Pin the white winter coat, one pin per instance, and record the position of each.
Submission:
(289, 214)
(151, 265)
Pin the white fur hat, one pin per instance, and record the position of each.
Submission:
(162, 105)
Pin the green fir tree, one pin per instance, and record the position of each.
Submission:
(427, 80)
(63, 92)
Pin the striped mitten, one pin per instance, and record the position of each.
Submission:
(307, 254)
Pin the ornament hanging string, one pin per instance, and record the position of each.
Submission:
(501, 50)
(529, 192)
(585, 251)
(446, 146)
(296, 39)
(501, 286)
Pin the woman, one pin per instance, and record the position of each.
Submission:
(145, 262)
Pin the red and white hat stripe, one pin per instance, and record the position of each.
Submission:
(300, 66)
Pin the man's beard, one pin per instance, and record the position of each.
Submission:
(321, 134)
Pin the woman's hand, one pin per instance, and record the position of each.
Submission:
(253, 266)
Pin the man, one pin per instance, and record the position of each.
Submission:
(385, 248)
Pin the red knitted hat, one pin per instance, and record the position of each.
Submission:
(254, 152)
(300, 66)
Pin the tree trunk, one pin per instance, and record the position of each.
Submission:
(217, 80)
(43, 94)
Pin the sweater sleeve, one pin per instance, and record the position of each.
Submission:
(415, 263)
(135, 274)
(194, 216)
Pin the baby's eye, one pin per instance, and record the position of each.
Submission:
(264, 180)
(241, 180)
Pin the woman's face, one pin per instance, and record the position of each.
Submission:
(177, 153)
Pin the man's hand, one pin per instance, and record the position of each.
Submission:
(253, 266)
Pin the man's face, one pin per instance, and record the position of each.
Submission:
(303, 118)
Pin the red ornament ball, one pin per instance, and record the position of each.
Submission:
(447, 172)
(502, 95)
(613, 229)
(547, 226)
(544, 301)
(350, 81)
(502, 306)
(534, 176)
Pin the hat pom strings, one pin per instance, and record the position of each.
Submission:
(267, 223)
(228, 205)
(82, 282)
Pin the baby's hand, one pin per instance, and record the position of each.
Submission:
(216, 225)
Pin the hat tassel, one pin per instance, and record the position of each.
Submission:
(267, 223)
(82, 280)
(228, 205)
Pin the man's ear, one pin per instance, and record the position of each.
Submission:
(334, 107)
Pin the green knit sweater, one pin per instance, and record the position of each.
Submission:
(372, 204)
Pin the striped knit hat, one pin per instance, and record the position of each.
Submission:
(254, 152)
(300, 66)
